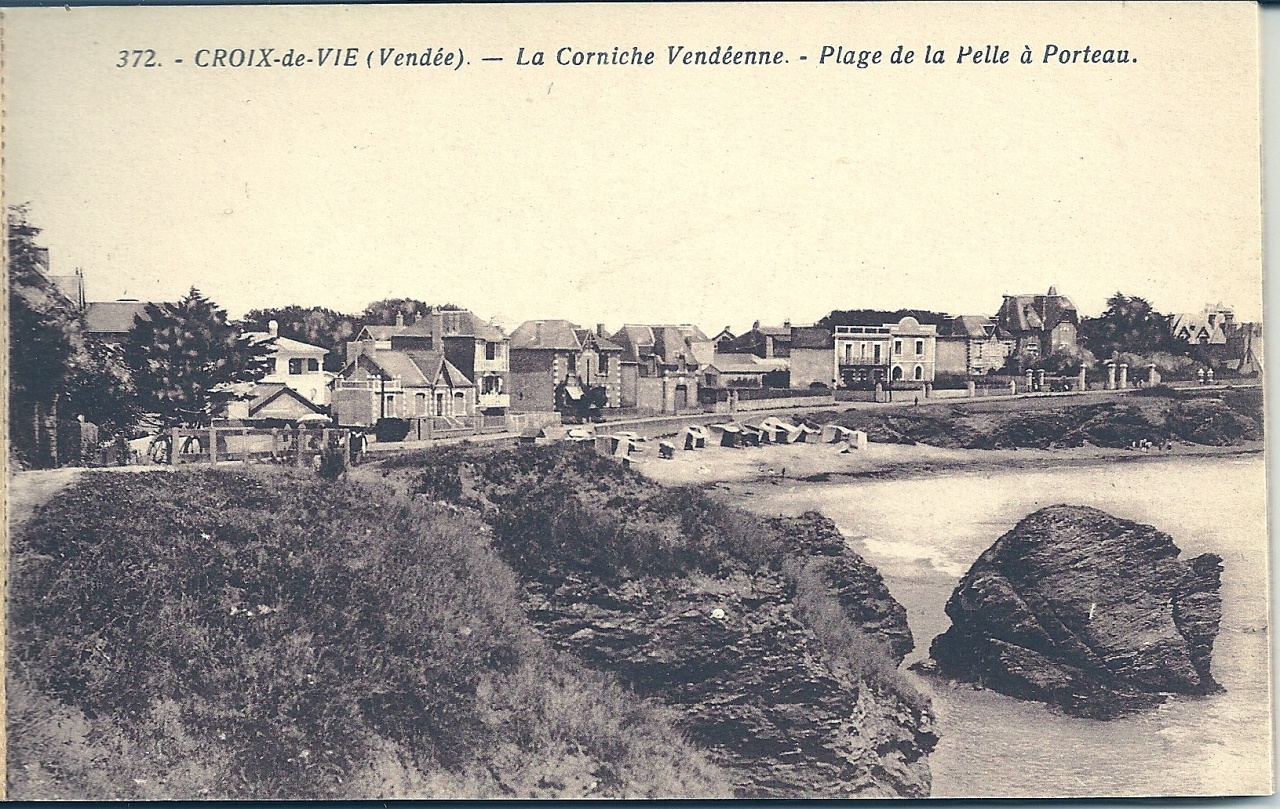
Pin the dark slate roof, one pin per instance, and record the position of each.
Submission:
(602, 343)
(968, 326)
(803, 337)
(556, 335)
(1026, 313)
(380, 332)
(415, 369)
(457, 323)
(112, 317)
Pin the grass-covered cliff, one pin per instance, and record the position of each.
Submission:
(265, 634)
(776, 644)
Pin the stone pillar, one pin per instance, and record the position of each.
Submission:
(1080, 378)
(1124, 375)
(1153, 375)
(1040, 379)
(1030, 379)
(928, 389)
(879, 391)
(1013, 386)
(1111, 375)
(970, 389)
(1200, 375)
(1209, 376)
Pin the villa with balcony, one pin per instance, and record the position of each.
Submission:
(901, 353)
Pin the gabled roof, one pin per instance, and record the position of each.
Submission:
(1196, 328)
(1026, 313)
(286, 344)
(279, 397)
(379, 333)
(747, 364)
(974, 327)
(557, 335)
(414, 369)
(112, 317)
(602, 343)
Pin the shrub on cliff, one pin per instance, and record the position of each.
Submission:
(228, 634)
(1212, 422)
(567, 509)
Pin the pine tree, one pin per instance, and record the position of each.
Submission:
(189, 361)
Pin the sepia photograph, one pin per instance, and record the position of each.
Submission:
(635, 401)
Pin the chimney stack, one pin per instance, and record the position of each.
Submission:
(437, 328)
(274, 328)
(600, 330)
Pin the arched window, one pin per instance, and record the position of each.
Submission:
(919, 372)
(897, 372)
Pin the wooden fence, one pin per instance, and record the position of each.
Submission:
(286, 445)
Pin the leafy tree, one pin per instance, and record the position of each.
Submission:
(864, 317)
(383, 312)
(1063, 361)
(315, 325)
(189, 361)
(42, 326)
(1129, 325)
(100, 386)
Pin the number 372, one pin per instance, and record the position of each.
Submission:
(143, 58)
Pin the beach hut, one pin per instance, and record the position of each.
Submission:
(606, 444)
(804, 433)
(784, 432)
(762, 429)
(728, 435)
(666, 450)
(856, 441)
(694, 437)
(835, 434)
(752, 435)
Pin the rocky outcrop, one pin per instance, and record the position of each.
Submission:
(1081, 609)
(749, 680)
(856, 584)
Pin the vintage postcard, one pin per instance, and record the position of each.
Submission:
(635, 401)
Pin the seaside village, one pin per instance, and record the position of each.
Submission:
(449, 374)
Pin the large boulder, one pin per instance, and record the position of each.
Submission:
(1081, 609)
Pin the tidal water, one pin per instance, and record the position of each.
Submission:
(923, 533)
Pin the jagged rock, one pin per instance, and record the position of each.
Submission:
(856, 584)
(750, 683)
(1087, 611)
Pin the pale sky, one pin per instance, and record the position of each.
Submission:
(716, 195)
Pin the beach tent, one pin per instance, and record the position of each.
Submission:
(752, 435)
(804, 433)
(694, 437)
(759, 427)
(606, 444)
(834, 434)
(666, 450)
(730, 435)
(784, 432)
(856, 441)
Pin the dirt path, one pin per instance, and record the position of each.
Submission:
(29, 490)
